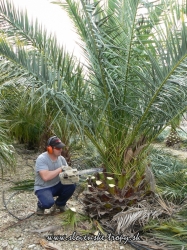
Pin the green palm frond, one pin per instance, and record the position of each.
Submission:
(41, 55)
(23, 185)
(165, 162)
(172, 232)
(7, 152)
(170, 174)
(43, 64)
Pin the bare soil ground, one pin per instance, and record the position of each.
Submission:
(30, 233)
(180, 154)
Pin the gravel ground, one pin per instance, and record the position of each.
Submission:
(31, 233)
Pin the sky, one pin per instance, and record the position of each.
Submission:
(55, 19)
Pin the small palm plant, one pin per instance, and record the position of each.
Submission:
(71, 218)
(26, 121)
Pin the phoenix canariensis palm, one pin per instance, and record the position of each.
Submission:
(133, 89)
(138, 86)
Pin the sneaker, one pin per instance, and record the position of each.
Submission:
(62, 208)
(40, 211)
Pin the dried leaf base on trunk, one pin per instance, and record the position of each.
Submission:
(104, 197)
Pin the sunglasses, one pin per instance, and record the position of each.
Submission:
(57, 148)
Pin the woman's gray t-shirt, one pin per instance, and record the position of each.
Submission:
(44, 162)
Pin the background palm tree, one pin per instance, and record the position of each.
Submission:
(133, 87)
(34, 112)
(174, 138)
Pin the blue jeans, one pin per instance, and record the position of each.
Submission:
(46, 195)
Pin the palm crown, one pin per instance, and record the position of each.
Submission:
(135, 72)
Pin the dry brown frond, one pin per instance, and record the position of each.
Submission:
(128, 155)
(140, 215)
(167, 206)
(125, 220)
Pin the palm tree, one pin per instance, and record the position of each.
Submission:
(37, 112)
(173, 137)
(138, 87)
(133, 88)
